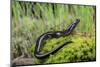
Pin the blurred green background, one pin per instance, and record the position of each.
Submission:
(31, 19)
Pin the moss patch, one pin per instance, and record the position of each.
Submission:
(82, 49)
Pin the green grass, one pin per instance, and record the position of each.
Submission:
(28, 26)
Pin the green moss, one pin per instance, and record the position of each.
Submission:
(82, 49)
